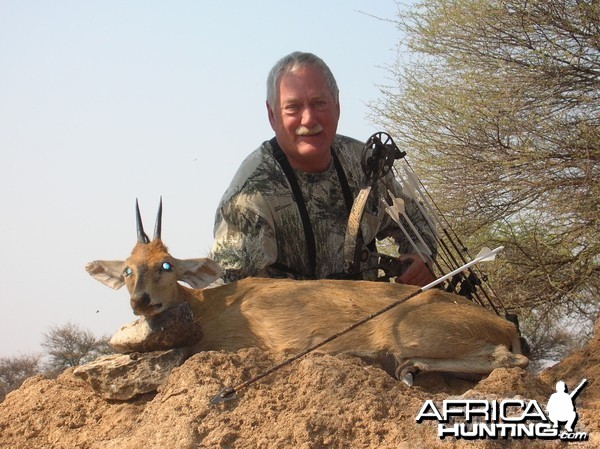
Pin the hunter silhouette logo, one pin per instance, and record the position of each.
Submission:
(561, 405)
(510, 418)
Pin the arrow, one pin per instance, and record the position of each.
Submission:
(436, 220)
(409, 189)
(485, 255)
(396, 209)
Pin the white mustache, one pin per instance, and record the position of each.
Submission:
(304, 131)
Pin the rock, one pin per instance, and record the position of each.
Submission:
(124, 376)
(173, 328)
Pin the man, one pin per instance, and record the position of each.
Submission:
(286, 210)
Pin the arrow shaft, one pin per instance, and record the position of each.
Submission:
(396, 218)
(414, 229)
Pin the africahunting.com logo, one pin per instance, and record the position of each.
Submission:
(510, 418)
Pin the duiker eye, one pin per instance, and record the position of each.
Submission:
(127, 271)
(166, 266)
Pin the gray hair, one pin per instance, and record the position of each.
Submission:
(293, 62)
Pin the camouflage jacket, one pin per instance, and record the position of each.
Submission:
(258, 230)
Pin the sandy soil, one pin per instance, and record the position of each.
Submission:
(320, 401)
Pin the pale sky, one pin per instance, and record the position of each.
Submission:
(105, 101)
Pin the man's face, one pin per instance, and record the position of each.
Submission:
(305, 119)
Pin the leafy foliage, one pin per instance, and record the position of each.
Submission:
(67, 345)
(498, 102)
(14, 371)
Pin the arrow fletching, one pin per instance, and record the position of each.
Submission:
(487, 255)
(408, 189)
(398, 204)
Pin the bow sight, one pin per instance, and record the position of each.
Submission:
(378, 156)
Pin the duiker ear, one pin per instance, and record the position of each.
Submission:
(109, 272)
(198, 273)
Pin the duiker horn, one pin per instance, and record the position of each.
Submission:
(141, 235)
(158, 224)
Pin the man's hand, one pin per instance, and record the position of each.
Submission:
(417, 273)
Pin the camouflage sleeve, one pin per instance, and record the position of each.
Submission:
(244, 243)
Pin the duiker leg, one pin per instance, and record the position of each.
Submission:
(483, 362)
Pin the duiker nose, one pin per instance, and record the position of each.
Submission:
(140, 301)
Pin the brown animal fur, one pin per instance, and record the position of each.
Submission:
(434, 331)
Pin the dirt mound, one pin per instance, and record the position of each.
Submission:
(582, 364)
(319, 401)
